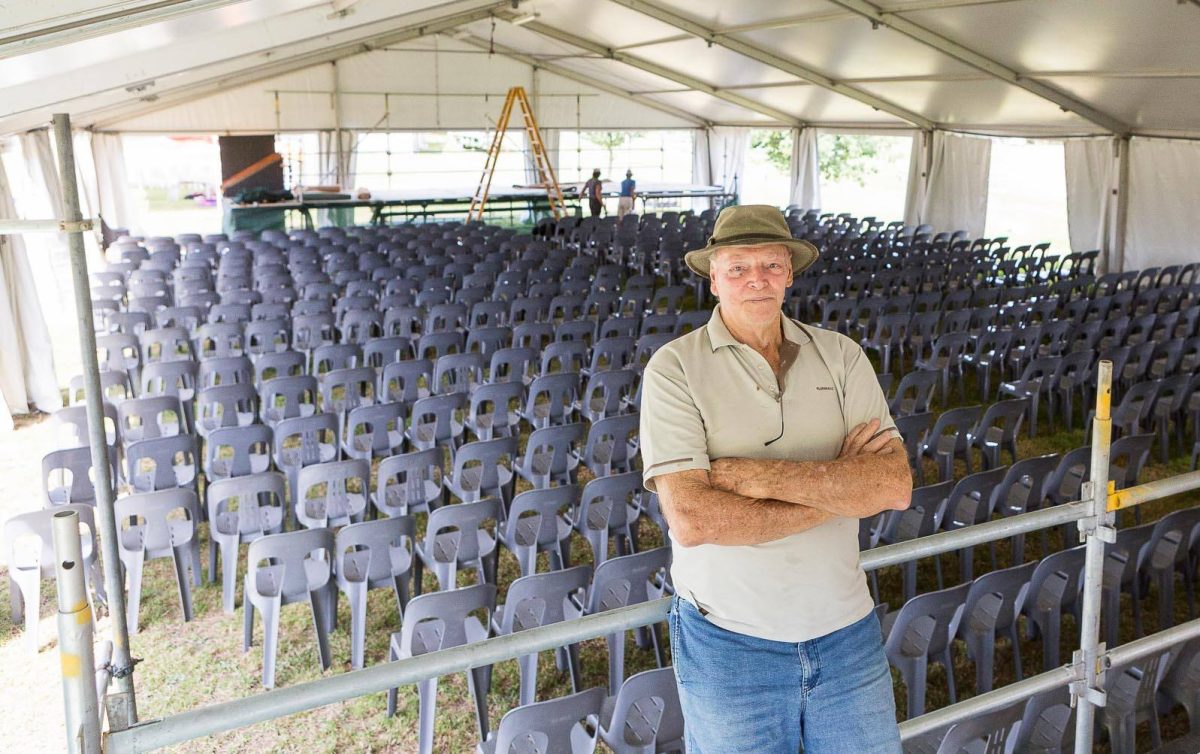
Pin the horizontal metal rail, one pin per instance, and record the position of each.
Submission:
(215, 718)
(1051, 679)
(18, 227)
(1159, 488)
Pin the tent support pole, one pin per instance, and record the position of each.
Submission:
(121, 705)
(1091, 659)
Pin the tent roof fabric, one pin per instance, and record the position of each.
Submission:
(1021, 67)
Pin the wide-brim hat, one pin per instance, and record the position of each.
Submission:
(751, 225)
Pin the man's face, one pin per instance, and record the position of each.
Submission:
(751, 282)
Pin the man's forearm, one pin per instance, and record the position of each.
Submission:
(856, 486)
(704, 515)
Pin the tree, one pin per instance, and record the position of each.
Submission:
(847, 157)
(609, 141)
(842, 156)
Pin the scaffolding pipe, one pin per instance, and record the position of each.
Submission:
(1097, 528)
(1156, 490)
(75, 636)
(122, 706)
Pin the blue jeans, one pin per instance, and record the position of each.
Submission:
(744, 694)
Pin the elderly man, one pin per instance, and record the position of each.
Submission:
(766, 440)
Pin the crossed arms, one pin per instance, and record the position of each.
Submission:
(746, 501)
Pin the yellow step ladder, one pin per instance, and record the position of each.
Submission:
(546, 177)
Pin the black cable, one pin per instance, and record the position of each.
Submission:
(781, 424)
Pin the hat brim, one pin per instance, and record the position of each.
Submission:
(804, 254)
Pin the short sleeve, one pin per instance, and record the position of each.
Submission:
(672, 430)
(864, 399)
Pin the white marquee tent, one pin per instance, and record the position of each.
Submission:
(1117, 80)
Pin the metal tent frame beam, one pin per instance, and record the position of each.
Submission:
(779, 63)
(975, 59)
(255, 71)
(670, 74)
(88, 27)
(579, 78)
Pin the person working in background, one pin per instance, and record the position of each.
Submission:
(628, 195)
(594, 190)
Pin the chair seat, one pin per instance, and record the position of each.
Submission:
(356, 565)
(527, 531)
(427, 637)
(268, 580)
(180, 532)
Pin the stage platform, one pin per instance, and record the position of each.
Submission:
(407, 205)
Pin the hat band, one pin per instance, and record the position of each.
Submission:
(758, 237)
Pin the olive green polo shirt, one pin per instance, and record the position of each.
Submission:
(705, 395)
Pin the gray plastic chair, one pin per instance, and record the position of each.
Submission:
(374, 431)
(921, 632)
(912, 429)
(261, 501)
(1047, 724)
(458, 373)
(458, 535)
(302, 442)
(237, 451)
(234, 405)
(272, 365)
(177, 378)
(538, 522)
(281, 569)
(1053, 589)
(623, 581)
(436, 421)
(288, 397)
(551, 399)
(645, 716)
(612, 444)
(147, 418)
(339, 504)
(115, 385)
(495, 410)
(1020, 491)
(566, 725)
(997, 729)
(551, 455)
(402, 380)
(225, 370)
(517, 364)
(997, 431)
(969, 504)
(335, 356)
(372, 555)
(409, 482)
(480, 470)
(539, 600)
(1132, 698)
(343, 390)
(146, 532)
(173, 462)
(1181, 685)
(950, 439)
(1121, 575)
(29, 555)
(609, 507)
(914, 393)
(67, 476)
(606, 393)
(439, 621)
(991, 609)
(1167, 552)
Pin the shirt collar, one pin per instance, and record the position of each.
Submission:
(719, 335)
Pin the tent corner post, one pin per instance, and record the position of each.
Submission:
(122, 665)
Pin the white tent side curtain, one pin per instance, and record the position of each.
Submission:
(1092, 169)
(27, 369)
(1164, 192)
(727, 150)
(116, 205)
(805, 169)
(955, 193)
(339, 150)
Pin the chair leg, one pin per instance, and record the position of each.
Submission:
(27, 603)
(270, 617)
(479, 681)
(319, 601)
(133, 570)
(948, 664)
(527, 667)
(616, 661)
(228, 573)
(916, 687)
(181, 558)
(356, 593)
(427, 692)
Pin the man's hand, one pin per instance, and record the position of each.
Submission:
(867, 439)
